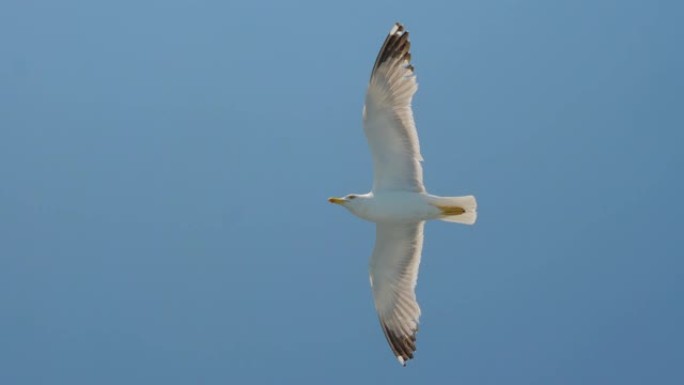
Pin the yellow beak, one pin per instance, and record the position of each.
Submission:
(337, 201)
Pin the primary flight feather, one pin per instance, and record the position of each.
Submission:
(398, 202)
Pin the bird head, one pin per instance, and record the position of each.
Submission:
(351, 202)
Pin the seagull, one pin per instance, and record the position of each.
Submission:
(398, 203)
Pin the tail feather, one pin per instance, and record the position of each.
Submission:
(457, 209)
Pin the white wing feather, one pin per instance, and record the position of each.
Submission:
(393, 276)
(388, 118)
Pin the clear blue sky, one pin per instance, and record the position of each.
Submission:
(164, 169)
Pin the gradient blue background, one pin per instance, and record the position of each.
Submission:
(164, 169)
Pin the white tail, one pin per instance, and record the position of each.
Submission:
(456, 209)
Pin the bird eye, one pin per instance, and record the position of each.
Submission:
(351, 197)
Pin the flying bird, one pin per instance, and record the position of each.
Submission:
(398, 202)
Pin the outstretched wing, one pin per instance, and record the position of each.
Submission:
(393, 276)
(388, 118)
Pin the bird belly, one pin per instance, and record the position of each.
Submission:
(398, 207)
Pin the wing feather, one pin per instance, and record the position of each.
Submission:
(388, 118)
(393, 275)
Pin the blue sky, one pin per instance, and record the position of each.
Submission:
(165, 165)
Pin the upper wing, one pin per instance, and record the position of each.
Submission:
(388, 118)
(393, 276)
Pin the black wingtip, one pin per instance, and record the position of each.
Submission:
(403, 346)
(396, 46)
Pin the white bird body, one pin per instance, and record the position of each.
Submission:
(399, 206)
(393, 206)
(398, 202)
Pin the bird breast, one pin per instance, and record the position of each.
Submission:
(397, 207)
